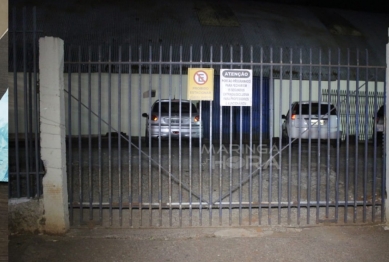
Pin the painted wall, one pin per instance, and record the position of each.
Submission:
(161, 85)
(131, 108)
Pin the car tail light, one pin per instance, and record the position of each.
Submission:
(293, 117)
(197, 118)
(154, 118)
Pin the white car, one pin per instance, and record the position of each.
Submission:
(311, 120)
(164, 121)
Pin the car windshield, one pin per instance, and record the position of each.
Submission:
(314, 109)
(175, 108)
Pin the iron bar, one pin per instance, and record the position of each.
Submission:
(290, 141)
(159, 144)
(251, 144)
(119, 114)
(328, 140)
(139, 135)
(110, 177)
(240, 149)
(366, 138)
(346, 184)
(220, 151)
(79, 121)
(210, 148)
(356, 143)
(180, 142)
(260, 189)
(231, 64)
(130, 191)
(36, 109)
(90, 135)
(70, 150)
(309, 140)
(299, 144)
(231, 134)
(150, 180)
(374, 185)
(170, 139)
(235, 204)
(26, 114)
(338, 137)
(318, 149)
(99, 116)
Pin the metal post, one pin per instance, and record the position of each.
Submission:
(386, 132)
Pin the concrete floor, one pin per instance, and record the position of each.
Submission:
(320, 243)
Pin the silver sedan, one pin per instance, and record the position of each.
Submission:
(173, 118)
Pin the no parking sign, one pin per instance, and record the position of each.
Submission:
(200, 84)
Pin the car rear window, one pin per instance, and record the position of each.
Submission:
(175, 108)
(314, 109)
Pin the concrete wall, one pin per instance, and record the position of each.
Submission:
(26, 215)
(52, 135)
(139, 85)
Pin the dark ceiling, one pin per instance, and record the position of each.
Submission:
(379, 6)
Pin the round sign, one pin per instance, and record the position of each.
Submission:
(200, 77)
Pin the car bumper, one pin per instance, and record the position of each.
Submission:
(314, 133)
(175, 132)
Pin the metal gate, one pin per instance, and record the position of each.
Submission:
(117, 177)
(25, 166)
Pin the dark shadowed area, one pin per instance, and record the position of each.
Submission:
(3, 221)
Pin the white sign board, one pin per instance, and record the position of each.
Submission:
(236, 87)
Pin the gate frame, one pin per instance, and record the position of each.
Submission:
(386, 201)
(150, 205)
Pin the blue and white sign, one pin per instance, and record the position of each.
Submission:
(4, 138)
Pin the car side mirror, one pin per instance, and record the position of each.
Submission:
(145, 115)
(283, 117)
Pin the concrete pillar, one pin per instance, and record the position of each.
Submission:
(387, 132)
(52, 122)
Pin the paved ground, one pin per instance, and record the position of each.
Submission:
(322, 243)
